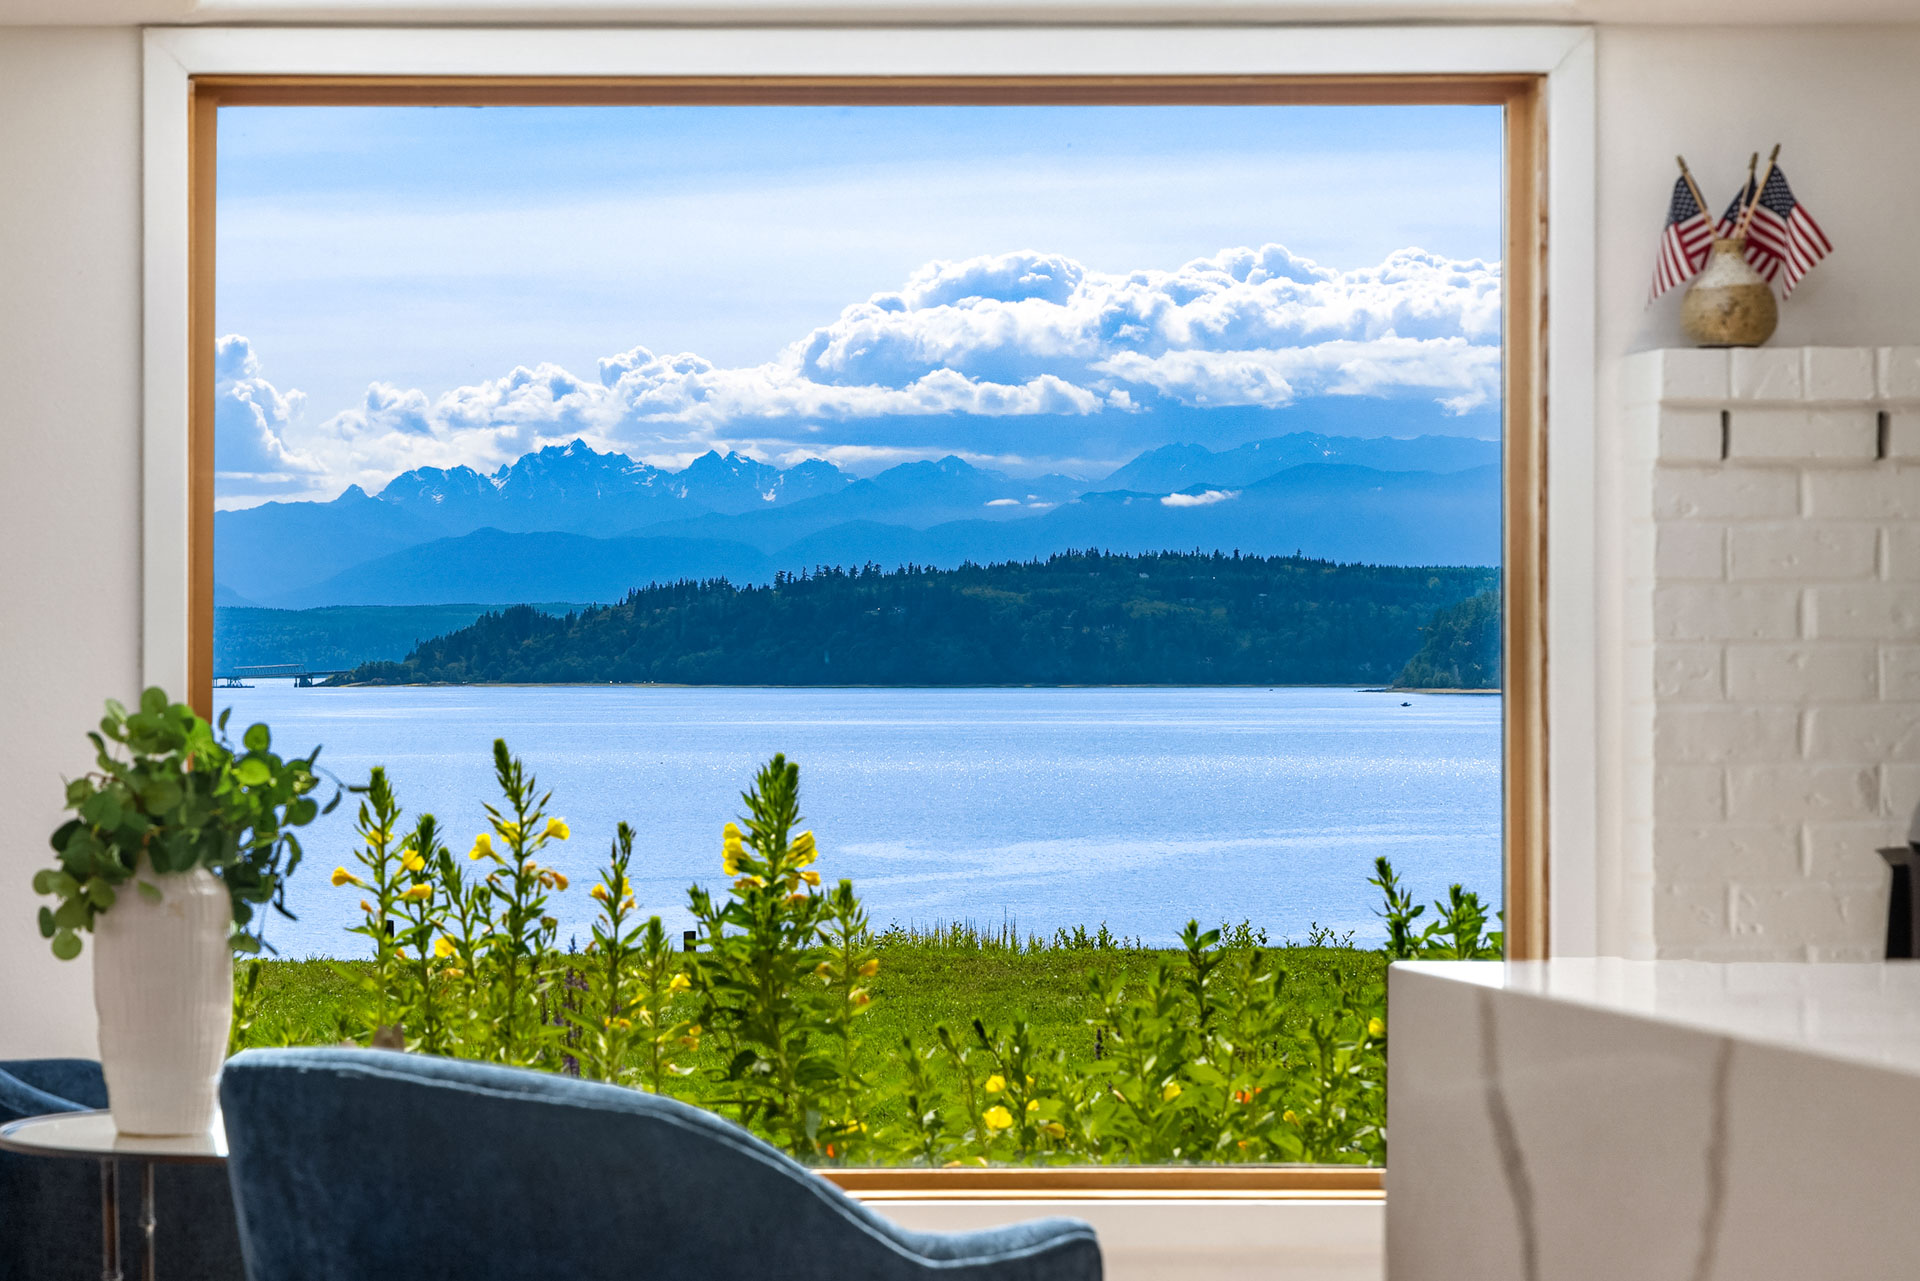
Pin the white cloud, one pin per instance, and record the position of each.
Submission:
(1004, 335)
(1206, 498)
(250, 419)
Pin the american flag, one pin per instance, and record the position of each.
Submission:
(1685, 243)
(1783, 240)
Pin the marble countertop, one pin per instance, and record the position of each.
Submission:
(1855, 1013)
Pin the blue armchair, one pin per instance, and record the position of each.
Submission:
(50, 1208)
(365, 1165)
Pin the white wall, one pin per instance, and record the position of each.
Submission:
(69, 470)
(1843, 103)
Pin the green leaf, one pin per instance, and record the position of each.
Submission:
(43, 882)
(46, 923)
(252, 772)
(66, 945)
(116, 710)
(149, 891)
(257, 738)
(153, 700)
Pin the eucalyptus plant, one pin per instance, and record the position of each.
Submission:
(170, 792)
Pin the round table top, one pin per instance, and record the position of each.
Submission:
(93, 1134)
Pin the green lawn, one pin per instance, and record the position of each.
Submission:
(918, 988)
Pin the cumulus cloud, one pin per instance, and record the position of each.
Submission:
(998, 336)
(250, 419)
(1206, 498)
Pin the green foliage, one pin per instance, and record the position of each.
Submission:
(1462, 647)
(1074, 618)
(1224, 1050)
(168, 793)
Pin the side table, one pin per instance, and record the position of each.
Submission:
(92, 1136)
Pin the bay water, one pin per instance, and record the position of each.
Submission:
(1047, 808)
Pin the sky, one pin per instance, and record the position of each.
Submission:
(1031, 288)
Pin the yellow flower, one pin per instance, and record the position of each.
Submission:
(341, 876)
(366, 907)
(870, 969)
(1376, 1029)
(746, 883)
(444, 948)
(824, 971)
(996, 1083)
(559, 880)
(1170, 1092)
(418, 892)
(1033, 1105)
(453, 971)
(558, 830)
(731, 850)
(811, 877)
(1290, 1117)
(997, 1117)
(550, 922)
(680, 983)
(600, 892)
(411, 860)
(1054, 1130)
(623, 1024)
(859, 996)
(510, 830)
(796, 897)
(802, 850)
(482, 846)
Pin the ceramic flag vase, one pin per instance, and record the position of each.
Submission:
(163, 991)
(1729, 304)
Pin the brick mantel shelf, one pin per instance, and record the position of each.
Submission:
(1772, 638)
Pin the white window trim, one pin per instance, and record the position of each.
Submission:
(1564, 54)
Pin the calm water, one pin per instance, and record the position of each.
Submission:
(1137, 807)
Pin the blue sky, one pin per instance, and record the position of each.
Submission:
(1034, 287)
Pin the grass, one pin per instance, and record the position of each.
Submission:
(950, 975)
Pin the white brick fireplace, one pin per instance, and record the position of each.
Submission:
(1772, 636)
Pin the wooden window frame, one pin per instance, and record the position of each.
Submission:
(1524, 439)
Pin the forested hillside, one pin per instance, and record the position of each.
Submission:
(1462, 648)
(1072, 619)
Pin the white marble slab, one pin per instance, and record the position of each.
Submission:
(1578, 1119)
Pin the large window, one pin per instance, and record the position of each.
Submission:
(1104, 493)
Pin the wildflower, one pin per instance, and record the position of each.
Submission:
(811, 877)
(996, 1083)
(1376, 1028)
(731, 851)
(1290, 1117)
(482, 846)
(997, 1117)
(559, 880)
(411, 860)
(510, 830)
(1054, 1130)
(824, 971)
(342, 876)
(366, 907)
(418, 892)
(453, 971)
(802, 850)
(679, 983)
(1170, 1092)
(627, 902)
(557, 829)
(624, 1025)
(746, 883)
(859, 996)
(796, 898)
(444, 948)
(550, 922)
(600, 892)
(871, 968)
(1033, 1105)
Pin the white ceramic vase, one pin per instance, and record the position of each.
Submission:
(163, 990)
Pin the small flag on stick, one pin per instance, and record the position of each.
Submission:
(1688, 237)
(1784, 243)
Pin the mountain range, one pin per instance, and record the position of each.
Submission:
(570, 523)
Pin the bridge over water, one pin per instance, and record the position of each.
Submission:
(303, 675)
